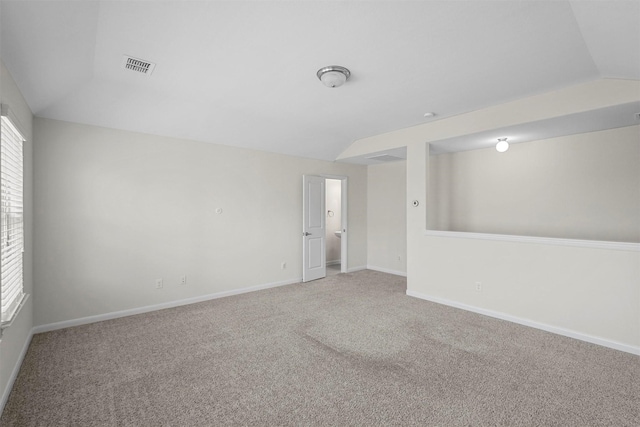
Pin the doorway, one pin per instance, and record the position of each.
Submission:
(324, 227)
(333, 206)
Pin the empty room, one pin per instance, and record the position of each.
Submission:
(320, 213)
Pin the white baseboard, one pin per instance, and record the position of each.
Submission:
(148, 308)
(354, 269)
(334, 262)
(14, 373)
(533, 324)
(387, 270)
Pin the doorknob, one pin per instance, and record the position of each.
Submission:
(306, 234)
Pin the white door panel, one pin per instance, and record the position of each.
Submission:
(313, 228)
(315, 249)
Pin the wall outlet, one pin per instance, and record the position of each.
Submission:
(283, 266)
(479, 286)
(183, 280)
(159, 284)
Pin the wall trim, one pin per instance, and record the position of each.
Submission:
(8, 323)
(531, 323)
(354, 269)
(7, 111)
(387, 270)
(148, 308)
(14, 374)
(597, 244)
(334, 262)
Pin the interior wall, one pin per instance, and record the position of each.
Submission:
(587, 96)
(117, 210)
(587, 292)
(584, 186)
(333, 204)
(386, 217)
(15, 337)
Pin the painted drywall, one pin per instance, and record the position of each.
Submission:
(334, 219)
(386, 217)
(117, 210)
(16, 336)
(593, 293)
(587, 291)
(584, 186)
(575, 99)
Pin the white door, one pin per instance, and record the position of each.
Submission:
(313, 228)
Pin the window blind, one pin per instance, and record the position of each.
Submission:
(12, 218)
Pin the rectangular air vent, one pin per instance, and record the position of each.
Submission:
(138, 65)
(385, 158)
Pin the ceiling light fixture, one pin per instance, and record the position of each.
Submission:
(333, 75)
(429, 115)
(502, 145)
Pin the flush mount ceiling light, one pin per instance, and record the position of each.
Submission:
(333, 75)
(502, 145)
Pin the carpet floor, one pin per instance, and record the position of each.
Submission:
(351, 349)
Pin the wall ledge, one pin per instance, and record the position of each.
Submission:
(595, 244)
(533, 324)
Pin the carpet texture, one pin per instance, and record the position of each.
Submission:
(351, 349)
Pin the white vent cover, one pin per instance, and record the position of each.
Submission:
(138, 65)
(385, 158)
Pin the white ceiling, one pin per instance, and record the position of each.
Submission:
(244, 73)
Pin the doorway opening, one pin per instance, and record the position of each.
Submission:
(324, 228)
(333, 206)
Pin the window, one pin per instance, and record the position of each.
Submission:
(12, 218)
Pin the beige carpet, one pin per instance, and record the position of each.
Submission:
(351, 349)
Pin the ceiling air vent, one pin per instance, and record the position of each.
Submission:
(385, 158)
(138, 65)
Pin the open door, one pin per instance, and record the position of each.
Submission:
(313, 228)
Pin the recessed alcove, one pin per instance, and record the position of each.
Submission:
(583, 186)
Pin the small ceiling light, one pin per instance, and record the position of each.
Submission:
(429, 115)
(333, 75)
(502, 145)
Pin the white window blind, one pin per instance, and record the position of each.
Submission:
(12, 218)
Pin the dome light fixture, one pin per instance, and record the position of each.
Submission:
(502, 145)
(333, 75)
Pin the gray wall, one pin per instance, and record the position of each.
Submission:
(116, 210)
(584, 186)
(386, 217)
(15, 337)
(588, 292)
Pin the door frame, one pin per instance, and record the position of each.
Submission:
(344, 236)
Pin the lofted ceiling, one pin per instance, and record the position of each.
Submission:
(244, 73)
